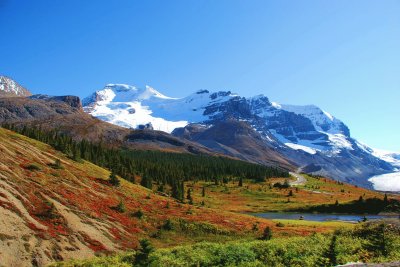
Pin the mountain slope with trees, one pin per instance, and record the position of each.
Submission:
(55, 206)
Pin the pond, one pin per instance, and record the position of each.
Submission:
(320, 217)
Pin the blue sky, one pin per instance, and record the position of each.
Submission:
(340, 55)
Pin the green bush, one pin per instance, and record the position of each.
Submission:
(366, 243)
(315, 250)
(33, 167)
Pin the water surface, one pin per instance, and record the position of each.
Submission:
(320, 217)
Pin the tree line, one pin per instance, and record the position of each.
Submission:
(153, 166)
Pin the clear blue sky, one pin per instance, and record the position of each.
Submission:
(343, 56)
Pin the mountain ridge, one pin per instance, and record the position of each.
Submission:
(307, 136)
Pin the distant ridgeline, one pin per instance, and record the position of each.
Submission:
(154, 166)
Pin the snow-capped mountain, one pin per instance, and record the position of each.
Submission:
(9, 87)
(307, 136)
(131, 107)
(306, 128)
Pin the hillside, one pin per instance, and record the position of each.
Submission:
(51, 211)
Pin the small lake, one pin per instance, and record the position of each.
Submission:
(320, 217)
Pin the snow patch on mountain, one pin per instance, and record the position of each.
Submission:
(322, 120)
(391, 157)
(11, 87)
(339, 142)
(307, 149)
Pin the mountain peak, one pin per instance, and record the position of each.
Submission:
(125, 92)
(9, 87)
(120, 87)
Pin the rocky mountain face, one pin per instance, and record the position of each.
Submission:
(9, 88)
(65, 115)
(253, 129)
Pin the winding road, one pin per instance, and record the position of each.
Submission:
(300, 180)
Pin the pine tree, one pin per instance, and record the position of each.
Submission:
(160, 188)
(142, 255)
(267, 234)
(76, 154)
(177, 191)
(146, 181)
(216, 181)
(57, 163)
(120, 207)
(331, 254)
(189, 196)
(240, 181)
(203, 192)
(182, 191)
(286, 184)
(113, 179)
(379, 241)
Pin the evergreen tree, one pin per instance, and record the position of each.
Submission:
(240, 181)
(331, 253)
(160, 188)
(120, 207)
(57, 163)
(378, 239)
(181, 191)
(142, 255)
(189, 196)
(114, 179)
(168, 225)
(146, 181)
(177, 191)
(267, 234)
(290, 193)
(76, 154)
(385, 199)
(286, 184)
(203, 192)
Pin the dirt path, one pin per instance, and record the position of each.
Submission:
(300, 180)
